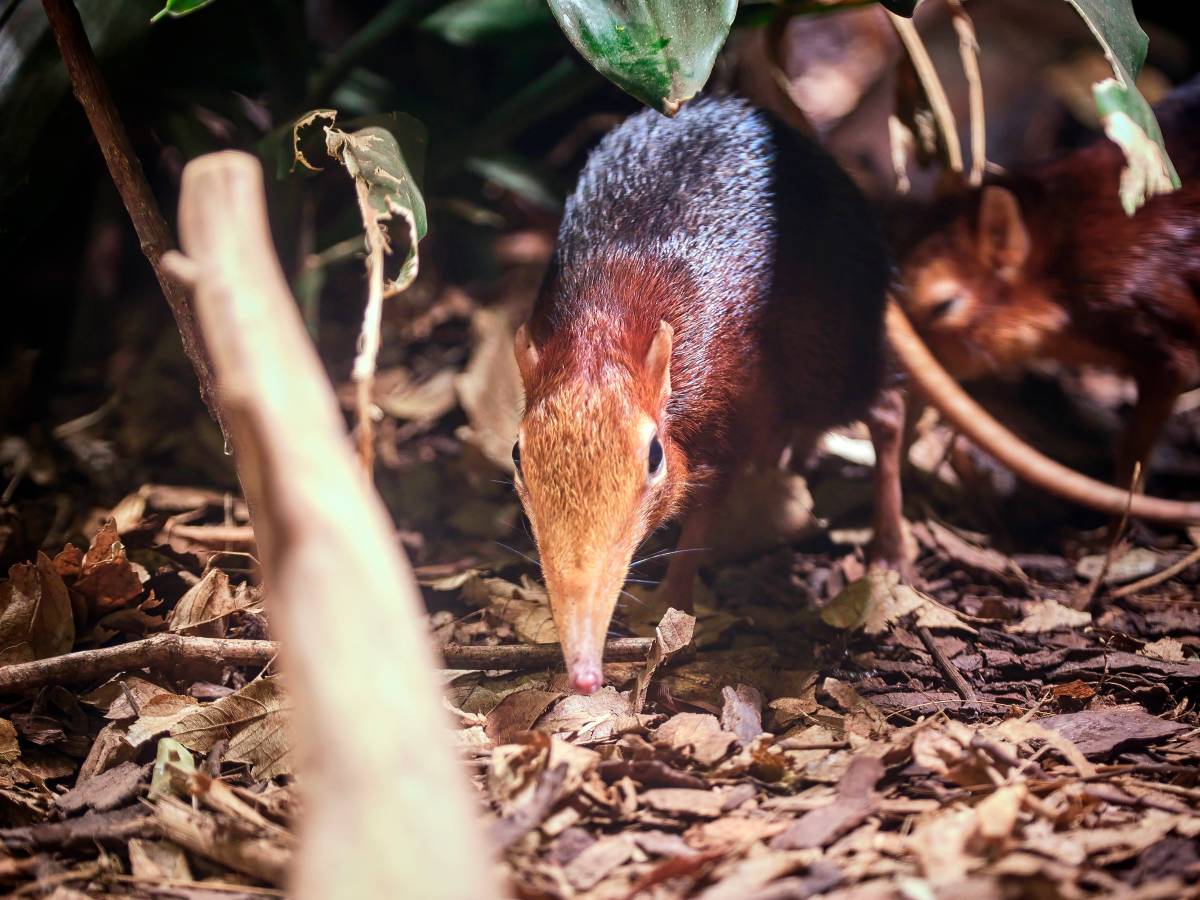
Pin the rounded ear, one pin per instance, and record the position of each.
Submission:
(527, 355)
(658, 361)
(1003, 238)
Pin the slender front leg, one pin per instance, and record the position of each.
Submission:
(690, 552)
(1155, 401)
(889, 547)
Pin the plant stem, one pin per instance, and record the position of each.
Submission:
(154, 236)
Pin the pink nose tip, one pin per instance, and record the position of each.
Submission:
(586, 678)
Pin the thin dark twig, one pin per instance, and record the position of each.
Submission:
(154, 235)
(955, 677)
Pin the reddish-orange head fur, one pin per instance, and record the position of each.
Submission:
(598, 470)
(973, 294)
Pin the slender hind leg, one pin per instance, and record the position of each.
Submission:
(690, 552)
(889, 547)
(1155, 401)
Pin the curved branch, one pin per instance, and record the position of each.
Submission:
(972, 420)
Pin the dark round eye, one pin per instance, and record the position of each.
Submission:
(517, 457)
(655, 457)
(944, 308)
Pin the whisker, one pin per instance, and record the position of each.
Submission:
(635, 599)
(519, 553)
(649, 581)
(664, 553)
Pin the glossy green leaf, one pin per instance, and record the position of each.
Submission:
(177, 8)
(469, 22)
(660, 51)
(1124, 112)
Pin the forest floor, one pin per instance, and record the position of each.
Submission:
(1017, 721)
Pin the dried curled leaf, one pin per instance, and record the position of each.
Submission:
(253, 720)
(35, 613)
(205, 606)
(879, 599)
(383, 181)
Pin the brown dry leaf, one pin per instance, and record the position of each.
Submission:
(671, 635)
(162, 712)
(108, 790)
(35, 613)
(968, 555)
(996, 818)
(741, 713)
(516, 713)
(939, 842)
(208, 602)
(68, 562)
(158, 861)
(1100, 732)
(879, 599)
(1168, 649)
(1126, 841)
(1049, 615)
(525, 606)
(697, 735)
(729, 832)
(591, 866)
(945, 750)
(117, 698)
(108, 749)
(1129, 566)
(684, 801)
(508, 830)
(490, 389)
(108, 581)
(1018, 731)
(10, 749)
(603, 715)
(515, 769)
(253, 720)
(862, 716)
(856, 800)
(747, 876)
(474, 693)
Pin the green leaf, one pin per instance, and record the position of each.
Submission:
(177, 8)
(660, 51)
(385, 185)
(1124, 112)
(468, 22)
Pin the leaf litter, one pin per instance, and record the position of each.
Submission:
(799, 737)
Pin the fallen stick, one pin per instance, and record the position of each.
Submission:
(164, 652)
(1157, 578)
(161, 652)
(388, 812)
(955, 677)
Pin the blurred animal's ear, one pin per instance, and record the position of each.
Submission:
(658, 361)
(1003, 239)
(527, 355)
